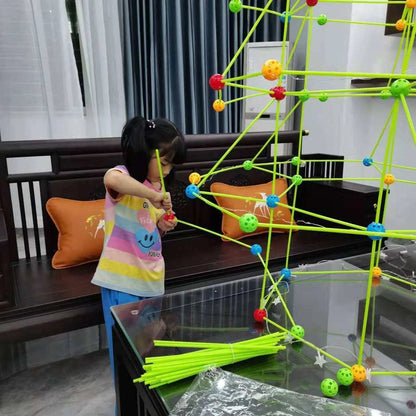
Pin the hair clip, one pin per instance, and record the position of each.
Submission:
(151, 124)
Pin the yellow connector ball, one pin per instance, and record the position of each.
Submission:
(271, 69)
(358, 372)
(376, 271)
(194, 178)
(389, 179)
(400, 25)
(218, 105)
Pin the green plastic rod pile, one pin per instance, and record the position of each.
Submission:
(168, 369)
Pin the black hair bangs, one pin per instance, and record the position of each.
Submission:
(174, 151)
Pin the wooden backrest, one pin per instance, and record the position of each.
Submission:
(78, 166)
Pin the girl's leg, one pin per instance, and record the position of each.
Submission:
(110, 298)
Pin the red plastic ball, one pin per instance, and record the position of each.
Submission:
(311, 3)
(169, 217)
(278, 93)
(215, 82)
(358, 389)
(259, 314)
(259, 327)
(370, 361)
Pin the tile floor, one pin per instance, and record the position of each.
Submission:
(78, 386)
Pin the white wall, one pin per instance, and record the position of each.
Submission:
(352, 126)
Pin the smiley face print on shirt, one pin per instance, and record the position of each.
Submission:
(147, 234)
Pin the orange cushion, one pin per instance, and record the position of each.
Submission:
(231, 227)
(81, 231)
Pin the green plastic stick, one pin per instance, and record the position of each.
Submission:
(393, 373)
(240, 49)
(160, 173)
(288, 314)
(323, 217)
(408, 116)
(348, 74)
(323, 352)
(212, 232)
(398, 279)
(236, 142)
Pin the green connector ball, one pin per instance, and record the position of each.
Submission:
(297, 180)
(295, 161)
(235, 6)
(248, 223)
(248, 165)
(400, 87)
(304, 95)
(345, 377)
(322, 19)
(385, 94)
(323, 97)
(298, 331)
(329, 387)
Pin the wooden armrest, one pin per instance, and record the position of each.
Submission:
(6, 291)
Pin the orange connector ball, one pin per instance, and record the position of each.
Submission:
(271, 69)
(194, 178)
(400, 25)
(358, 372)
(218, 105)
(389, 179)
(411, 4)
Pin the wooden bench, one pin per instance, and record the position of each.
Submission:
(37, 301)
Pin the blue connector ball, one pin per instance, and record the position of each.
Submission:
(367, 161)
(272, 201)
(286, 273)
(352, 337)
(283, 17)
(192, 191)
(377, 228)
(256, 249)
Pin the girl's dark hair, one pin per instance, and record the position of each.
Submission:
(141, 137)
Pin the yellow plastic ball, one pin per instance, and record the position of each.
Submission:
(389, 179)
(376, 271)
(271, 69)
(411, 4)
(194, 178)
(358, 372)
(218, 105)
(400, 25)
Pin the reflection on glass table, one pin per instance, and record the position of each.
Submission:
(328, 305)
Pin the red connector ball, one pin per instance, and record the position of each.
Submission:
(169, 217)
(259, 314)
(279, 93)
(215, 82)
(311, 3)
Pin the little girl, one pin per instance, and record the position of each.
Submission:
(131, 266)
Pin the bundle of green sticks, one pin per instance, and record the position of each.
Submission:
(170, 368)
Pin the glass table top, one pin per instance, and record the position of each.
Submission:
(326, 299)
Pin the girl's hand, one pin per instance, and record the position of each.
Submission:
(167, 203)
(165, 226)
(158, 201)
